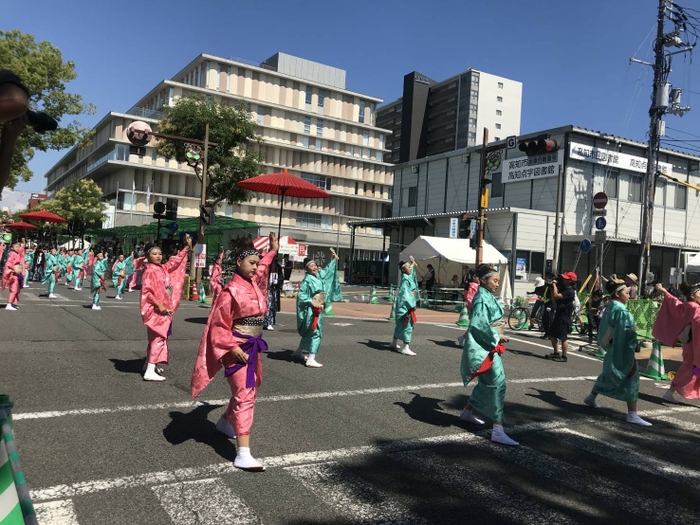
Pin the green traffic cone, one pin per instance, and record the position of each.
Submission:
(655, 368)
(373, 298)
(392, 315)
(329, 309)
(463, 316)
(392, 295)
(202, 294)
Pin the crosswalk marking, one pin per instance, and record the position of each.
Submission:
(628, 457)
(510, 506)
(204, 502)
(351, 496)
(56, 513)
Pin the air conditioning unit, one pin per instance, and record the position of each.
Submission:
(414, 169)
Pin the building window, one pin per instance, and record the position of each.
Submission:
(261, 115)
(314, 220)
(475, 80)
(305, 142)
(319, 128)
(317, 180)
(610, 184)
(126, 201)
(365, 138)
(681, 192)
(496, 185)
(410, 196)
(380, 156)
(321, 98)
(498, 126)
(307, 124)
(474, 95)
(471, 135)
(500, 85)
(308, 97)
(499, 112)
(499, 99)
(361, 118)
(630, 188)
(472, 122)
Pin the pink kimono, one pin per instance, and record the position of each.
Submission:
(10, 277)
(470, 293)
(215, 281)
(161, 284)
(91, 262)
(240, 299)
(139, 264)
(673, 318)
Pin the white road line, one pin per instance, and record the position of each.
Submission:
(662, 411)
(571, 352)
(599, 489)
(685, 425)
(271, 399)
(56, 513)
(352, 497)
(508, 505)
(302, 458)
(205, 502)
(626, 456)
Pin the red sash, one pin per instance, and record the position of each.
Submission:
(102, 285)
(69, 270)
(488, 361)
(317, 314)
(411, 314)
(634, 369)
(119, 281)
(80, 274)
(55, 275)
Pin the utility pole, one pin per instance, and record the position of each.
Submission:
(483, 198)
(196, 273)
(663, 100)
(557, 224)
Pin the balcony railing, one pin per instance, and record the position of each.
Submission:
(145, 113)
(99, 162)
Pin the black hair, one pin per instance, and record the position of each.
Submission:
(483, 269)
(612, 286)
(242, 245)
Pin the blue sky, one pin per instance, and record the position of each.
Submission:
(572, 56)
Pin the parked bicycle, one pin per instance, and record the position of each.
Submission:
(521, 318)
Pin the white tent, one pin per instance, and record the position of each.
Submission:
(75, 245)
(447, 256)
(693, 265)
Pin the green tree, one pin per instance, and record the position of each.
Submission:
(41, 67)
(234, 158)
(80, 204)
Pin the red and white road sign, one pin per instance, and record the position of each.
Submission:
(600, 200)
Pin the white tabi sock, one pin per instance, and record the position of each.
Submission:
(498, 435)
(407, 351)
(590, 401)
(151, 374)
(244, 460)
(633, 417)
(669, 396)
(467, 416)
(312, 363)
(394, 344)
(460, 340)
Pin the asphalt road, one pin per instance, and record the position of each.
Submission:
(373, 437)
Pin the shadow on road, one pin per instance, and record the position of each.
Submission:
(377, 345)
(195, 425)
(128, 366)
(197, 320)
(281, 355)
(447, 343)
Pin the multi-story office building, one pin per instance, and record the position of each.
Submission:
(436, 117)
(308, 122)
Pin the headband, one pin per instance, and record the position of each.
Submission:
(694, 288)
(247, 253)
(151, 248)
(489, 274)
(618, 288)
(309, 262)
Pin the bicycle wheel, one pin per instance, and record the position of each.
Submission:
(518, 318)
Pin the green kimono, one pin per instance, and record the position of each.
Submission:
(28, 263)
(50, 276)
(620, 376)
(489, 394)
(80, 263)
(406, 299)
(326, 281)
(97, 276)
(116, 273)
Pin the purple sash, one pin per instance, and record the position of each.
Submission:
(20, 278)
(252, 346)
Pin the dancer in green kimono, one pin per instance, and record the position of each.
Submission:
(81, 264)
(98, 280)
(120, 271)
(617, 336)
(406, 299)
(51, 271)
(319, 288)
(28, 263)
(481, 357)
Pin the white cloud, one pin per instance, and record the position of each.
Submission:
(13, 201)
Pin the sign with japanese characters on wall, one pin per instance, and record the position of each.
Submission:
(530, 168)
(614, 159)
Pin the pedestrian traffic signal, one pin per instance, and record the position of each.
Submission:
(474, 239)
(538, 146)
(464, 228)
(171, 209)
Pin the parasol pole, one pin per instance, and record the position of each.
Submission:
(279, 226)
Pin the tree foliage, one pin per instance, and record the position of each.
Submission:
(234, 158)
(41, 67)
(80, 204)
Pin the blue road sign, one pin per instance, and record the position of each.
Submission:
(600, 223)
(585, 246)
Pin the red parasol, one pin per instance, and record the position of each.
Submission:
(21, 226)
(42, 216)
(283, 184)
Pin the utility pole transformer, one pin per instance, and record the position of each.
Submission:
(661, 96)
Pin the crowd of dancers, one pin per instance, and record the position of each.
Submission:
(232, 339)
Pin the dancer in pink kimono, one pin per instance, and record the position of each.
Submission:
(139, 264)
(679, 321)
(233, 340)
(12, 274)
(161, 291)
(215, 278)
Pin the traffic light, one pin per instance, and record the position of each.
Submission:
(464, 228)
(539, 146)
(206, 213)
(474, 239)
(171, 209)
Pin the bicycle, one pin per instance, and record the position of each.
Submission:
(520, 317)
